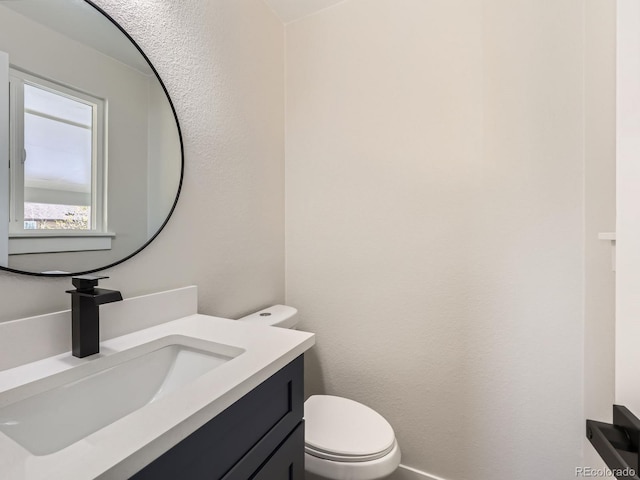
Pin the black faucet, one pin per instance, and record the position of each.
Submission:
(85, 314)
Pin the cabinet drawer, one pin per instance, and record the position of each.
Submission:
(287, 463)
(270, 411)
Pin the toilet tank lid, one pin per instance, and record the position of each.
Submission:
(345, 427)
(282, 316)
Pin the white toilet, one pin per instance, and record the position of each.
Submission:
(344, 439)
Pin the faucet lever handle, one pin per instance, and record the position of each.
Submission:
(86, 283)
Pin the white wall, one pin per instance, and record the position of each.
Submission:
(600, 214)
(223, 65)
(435, 199)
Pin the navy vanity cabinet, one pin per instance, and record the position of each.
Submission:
(261, 436)
(287, 461)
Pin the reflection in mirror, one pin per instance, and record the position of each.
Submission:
(94, 161)
(57, 129)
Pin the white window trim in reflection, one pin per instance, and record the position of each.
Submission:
(59, 242)
(23, 241)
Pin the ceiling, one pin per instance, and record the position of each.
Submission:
(292, 10)
(79, 21)
(82, 24)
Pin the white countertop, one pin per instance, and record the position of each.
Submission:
(125, 446)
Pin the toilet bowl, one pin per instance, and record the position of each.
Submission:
(344, 439)
(347, 440)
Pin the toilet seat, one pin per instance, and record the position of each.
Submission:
(344, 430)
(327, 455)
(345, 439)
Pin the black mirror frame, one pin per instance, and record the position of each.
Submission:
(175, 202)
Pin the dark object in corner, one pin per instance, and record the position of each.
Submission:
(85, 313)
(618, 444)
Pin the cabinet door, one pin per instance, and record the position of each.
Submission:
(286, 463)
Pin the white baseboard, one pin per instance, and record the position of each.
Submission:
(408, 473)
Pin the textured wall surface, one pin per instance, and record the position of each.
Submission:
(600, 215)
(435, 209)
(435, 224)
(222, 62)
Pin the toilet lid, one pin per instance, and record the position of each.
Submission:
(340, 429)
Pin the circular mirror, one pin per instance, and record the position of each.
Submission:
(94, 163)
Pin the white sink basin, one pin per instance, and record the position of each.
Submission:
(109, 415)
(68, 407)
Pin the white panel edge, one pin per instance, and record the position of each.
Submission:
(607, 236)
(4, 159)
(627, 390)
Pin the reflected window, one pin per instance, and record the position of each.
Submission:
(57, 158)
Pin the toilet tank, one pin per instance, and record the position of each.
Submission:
(281, 316)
